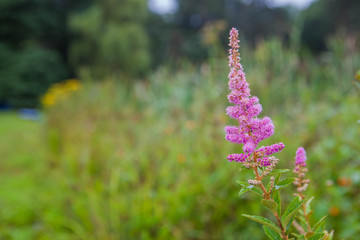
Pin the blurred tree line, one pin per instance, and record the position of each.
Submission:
(34, 43)
(324, 18)
(46, 41)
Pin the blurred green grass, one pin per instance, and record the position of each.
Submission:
(148, 160)
(22, 157)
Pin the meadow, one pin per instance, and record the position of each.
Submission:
(147, 159)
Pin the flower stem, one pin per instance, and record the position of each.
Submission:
(259, 178)
(301, 195)
(284, 236)
(307, 218)
(268, 197)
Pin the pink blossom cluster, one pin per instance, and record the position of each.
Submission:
(264, 161)
(251, 129)
(269, 150)
(300, 157)
(238, 157)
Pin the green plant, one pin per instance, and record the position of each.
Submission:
(111, 39)
(250, 131)
(26, 75)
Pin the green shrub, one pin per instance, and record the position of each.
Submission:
(27, 74)
(111, 40)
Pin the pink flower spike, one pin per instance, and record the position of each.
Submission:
(245, 109)
(300, 157)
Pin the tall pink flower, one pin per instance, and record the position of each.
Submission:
(251, 130)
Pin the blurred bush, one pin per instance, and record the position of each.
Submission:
(34, 39)
(27, 74)
(105, 37)
(110, 39)
(329, 17)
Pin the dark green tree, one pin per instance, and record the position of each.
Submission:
(255, 20)
(323, 18)
(34, 40)
(110, 38)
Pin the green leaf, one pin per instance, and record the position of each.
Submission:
(277, 199)
(257, 191)
(283, 183)
(309, 234)
(270, 204)
(289, 224)
(277, 178)
(318, 224)
(302, 220)
(251, 188)
(295, 235)
(291, 210)
(298, 236)
(316, 236)
(273, 235)
(243, 190)
(307, 204)
(278, 171)
(263, 221)
(303, 224)
(242, 183)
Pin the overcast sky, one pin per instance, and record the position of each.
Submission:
(169, 6)
(298, 3)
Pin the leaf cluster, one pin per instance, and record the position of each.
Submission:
(296, 213)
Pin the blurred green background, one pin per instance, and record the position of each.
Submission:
(112, 114)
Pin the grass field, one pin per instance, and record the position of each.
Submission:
(22, 176)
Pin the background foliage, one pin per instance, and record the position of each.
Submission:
(135, 148)
(147, 160)
(123, 38)
(111, 38)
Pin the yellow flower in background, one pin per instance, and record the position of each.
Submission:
(357, 76)
(48, 100)
(59, 91)
(72, 84)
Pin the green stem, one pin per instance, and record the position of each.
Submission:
(268, 197)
